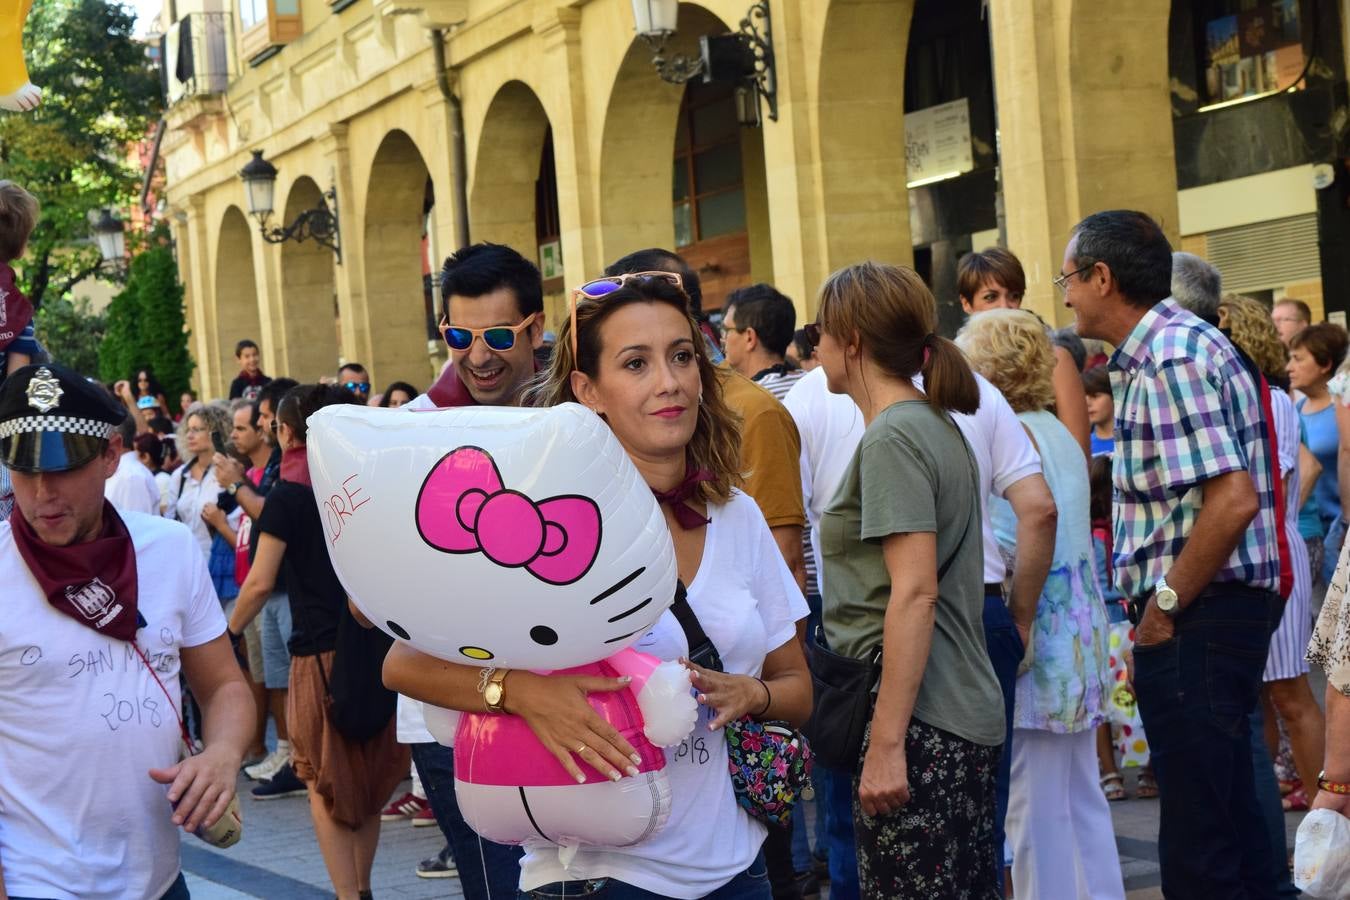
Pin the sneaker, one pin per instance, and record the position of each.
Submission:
(404, 807)
(270, 765)
(283, 784)
(442, 865)
(423, 817)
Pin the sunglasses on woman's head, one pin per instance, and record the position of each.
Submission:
(603, 287)
(498, 337)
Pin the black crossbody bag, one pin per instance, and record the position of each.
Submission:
(844, 692)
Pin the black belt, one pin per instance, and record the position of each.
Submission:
(993, 587)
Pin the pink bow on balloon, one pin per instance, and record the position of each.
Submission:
(464, 508)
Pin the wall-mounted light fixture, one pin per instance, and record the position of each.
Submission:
(318, 222)
(743, 57)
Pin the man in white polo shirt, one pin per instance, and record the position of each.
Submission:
(100, 613)
(132, 487)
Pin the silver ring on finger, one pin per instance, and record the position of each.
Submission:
(580, 750)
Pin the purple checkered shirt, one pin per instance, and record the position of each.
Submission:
(1187, 410)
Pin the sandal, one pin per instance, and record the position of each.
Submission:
(1148, 787)
(1113, 786)
(1295, 801)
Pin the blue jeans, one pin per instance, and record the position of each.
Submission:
(1005, 652)
(487, 871)
(1196, 693)
(752, 884)
(834, 792)
(1272, 812)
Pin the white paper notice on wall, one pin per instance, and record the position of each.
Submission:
(1336, 318)
(937, 142)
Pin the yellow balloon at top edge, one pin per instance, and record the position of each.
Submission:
(17, 93)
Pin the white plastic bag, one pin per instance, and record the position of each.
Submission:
(1322, 855)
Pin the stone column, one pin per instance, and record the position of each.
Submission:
(1085, 124)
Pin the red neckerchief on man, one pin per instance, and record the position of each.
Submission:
(94, 582)
(15, 310)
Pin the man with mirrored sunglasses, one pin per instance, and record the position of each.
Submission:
(492, 319)
(354, 377)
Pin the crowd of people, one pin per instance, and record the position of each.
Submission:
(1067, 553)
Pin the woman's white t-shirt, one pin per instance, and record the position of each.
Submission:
(748, 604)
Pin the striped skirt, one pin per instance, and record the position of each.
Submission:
(1290, 640)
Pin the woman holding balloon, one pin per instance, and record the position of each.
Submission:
(632, 354)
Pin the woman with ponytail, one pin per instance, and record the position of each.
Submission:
(901, 546)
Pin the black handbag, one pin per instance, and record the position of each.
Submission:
(360, 706)
(844, 692)
(842, 695)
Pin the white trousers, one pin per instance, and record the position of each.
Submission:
(1059, 824)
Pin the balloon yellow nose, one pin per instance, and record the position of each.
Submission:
(475, 653)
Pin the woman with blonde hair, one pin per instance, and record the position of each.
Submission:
(904, 574)
(1250, 327)
(1059, 823)
(633, 355)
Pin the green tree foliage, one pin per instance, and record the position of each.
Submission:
(145, 324)
(99, 95)
(71, 332)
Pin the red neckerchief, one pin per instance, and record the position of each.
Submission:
(94, 582)
(255, 379)
(295, 466)
(676, 498)
(15, 310)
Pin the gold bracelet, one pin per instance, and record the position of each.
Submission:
(1333, 787)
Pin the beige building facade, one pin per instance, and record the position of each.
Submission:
(571, 146)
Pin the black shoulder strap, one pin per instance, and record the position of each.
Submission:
(701, 649)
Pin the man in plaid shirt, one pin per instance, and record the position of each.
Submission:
(1195, 548)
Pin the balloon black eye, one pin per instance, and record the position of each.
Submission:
(398, 630)
(542, 634)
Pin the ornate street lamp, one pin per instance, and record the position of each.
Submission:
(319, 222)
(110, 233)
(744, 57)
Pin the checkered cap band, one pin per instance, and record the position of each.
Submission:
(61, 424)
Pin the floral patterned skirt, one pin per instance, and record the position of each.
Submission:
(941, 845)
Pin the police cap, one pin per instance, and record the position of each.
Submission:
(53, 419)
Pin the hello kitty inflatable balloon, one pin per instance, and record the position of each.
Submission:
(513, 538)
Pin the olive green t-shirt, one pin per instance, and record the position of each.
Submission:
(913, 472)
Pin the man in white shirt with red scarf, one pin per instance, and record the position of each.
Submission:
(101, 612)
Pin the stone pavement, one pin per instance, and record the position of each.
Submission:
(279, 858)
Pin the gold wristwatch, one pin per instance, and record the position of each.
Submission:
(494, 691)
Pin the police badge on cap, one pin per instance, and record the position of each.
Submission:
(53, 419)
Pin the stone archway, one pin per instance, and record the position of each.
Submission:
(506, 169)
(647, 128)
(395, 224)
(236, 291)
(308, 292)
(861, 110)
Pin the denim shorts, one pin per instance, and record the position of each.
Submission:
(276, 631)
